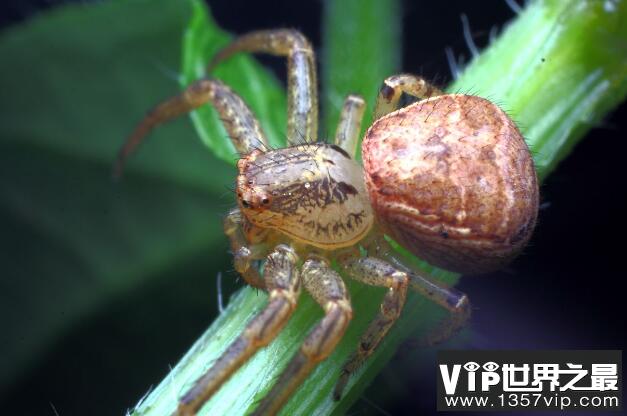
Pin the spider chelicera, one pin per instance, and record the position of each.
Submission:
(300, 208)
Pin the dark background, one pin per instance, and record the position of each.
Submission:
(564, 292)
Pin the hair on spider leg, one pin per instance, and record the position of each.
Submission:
(262, 147)
(302, 137)
(256, 165)
(276, 158)
(269, 147)
(315, 146)
(290, 143)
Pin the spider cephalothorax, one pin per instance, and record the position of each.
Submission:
(450, 177)
(313, 193)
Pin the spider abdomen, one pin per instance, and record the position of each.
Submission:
(452, 179)
(313, 193)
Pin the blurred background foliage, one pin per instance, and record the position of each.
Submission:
(106, 284)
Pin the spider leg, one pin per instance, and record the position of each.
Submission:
(283, 284)
(240, 123)
(374, 272)
(302, 98)
(419, 280)
(456, 302)
(392, 88)
(349, 126)
(397, 277)
(450, 298)
(244, 253)
(327, 288)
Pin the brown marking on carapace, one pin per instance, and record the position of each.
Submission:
(314, 193)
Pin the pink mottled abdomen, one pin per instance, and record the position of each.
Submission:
(452, 179)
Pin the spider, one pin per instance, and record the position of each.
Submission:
(302, 208)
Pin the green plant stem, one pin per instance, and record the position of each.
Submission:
(557, 69)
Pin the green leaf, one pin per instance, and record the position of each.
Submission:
(202, 40)
(72, 239)
(75, 81)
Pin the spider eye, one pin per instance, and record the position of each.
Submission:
(265, 201)
(245, 203)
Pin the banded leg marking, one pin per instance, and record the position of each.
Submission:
(375, 272)
(328, 289)
(302, 98)
(349, 126)
(393, 87)
(240, 123)
(282, 281)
